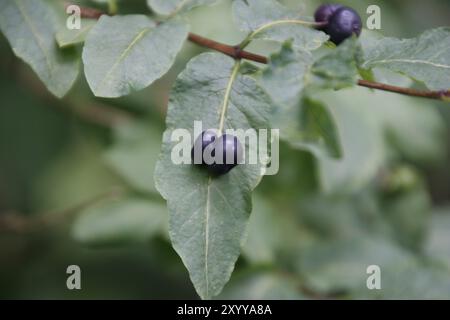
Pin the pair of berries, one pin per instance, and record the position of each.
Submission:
(217, 154)
(340, 22)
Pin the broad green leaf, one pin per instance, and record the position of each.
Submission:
(126, 53)
(337, 69)
(66, 37)
(168, 7)
(121, 221)
(425, 58)
(341, 265)
(207, 215)
(30, 28)
(275, 22)
(134, 155)
(262, 285)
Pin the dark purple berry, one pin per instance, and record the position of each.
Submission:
(228, 154)
(204, 140)
(324, 13)
(343, 24)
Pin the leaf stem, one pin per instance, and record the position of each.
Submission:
(238, 53)
(269, 25)
(226, 98)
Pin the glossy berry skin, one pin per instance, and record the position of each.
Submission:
(228, 154)
(204, 140)
(343, 24)
(324, 13)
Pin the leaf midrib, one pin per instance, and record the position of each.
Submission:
(207, 212)
(224, 108)
(36, 36)
(412, 61)
(124, 54)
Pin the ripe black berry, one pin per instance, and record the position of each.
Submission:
(343, 24)
(225, 151)
(324, 13)
(228, 154)
(204, 140)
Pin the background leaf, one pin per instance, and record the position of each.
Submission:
(341, 265)
(134, 155)
(125, 53)
(309, 126)
(122, 221)
(262, 285)
(30, 28)
(361, 139)
(438, 240)
(66, 37)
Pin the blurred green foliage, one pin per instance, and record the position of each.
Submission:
(315, 226)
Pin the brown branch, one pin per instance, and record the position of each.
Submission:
(440, 95)
(88, 13)
(15, 222)
(236, 53)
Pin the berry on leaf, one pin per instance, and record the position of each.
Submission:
(203, 141)
(222, 153)
(343, 24)
(324, 13)
(228, 154)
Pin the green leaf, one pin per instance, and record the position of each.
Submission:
(341, 265)
(66, 37)
(304, 123)
(168, 7)
(425, 58)
(286, 74)
(337, 69)
(276, 23)
(125, 53)
(134, 155)
(30, 28)
(262, 285)
(407, 213)
(415, 130)
(412, 282)
(208, 216)
(438, 241)
(361, 138)
(121, 221)
(264, 234)
(309, 126)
